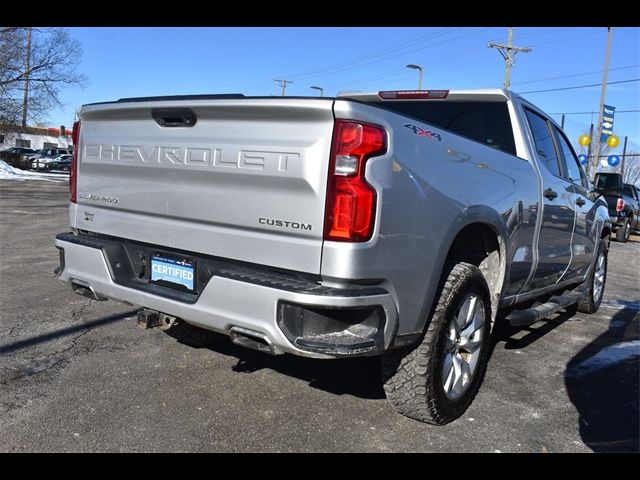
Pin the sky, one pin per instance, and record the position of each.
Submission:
(129, 62)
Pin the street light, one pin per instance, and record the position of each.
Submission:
(417, 67)
(319, 88)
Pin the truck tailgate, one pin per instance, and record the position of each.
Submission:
(247, 181)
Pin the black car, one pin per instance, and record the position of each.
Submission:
(623, 201)
(12, 155)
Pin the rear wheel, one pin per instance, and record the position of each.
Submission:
(596, 282)
(436, 380)
(624, 232)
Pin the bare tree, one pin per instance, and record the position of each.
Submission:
(631, 172)
(41, 71)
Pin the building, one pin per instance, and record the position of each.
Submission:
(34, 137)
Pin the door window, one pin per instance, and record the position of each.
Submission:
(569, 161)
(543, 141)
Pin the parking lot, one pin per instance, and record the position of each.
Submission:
(79, 376)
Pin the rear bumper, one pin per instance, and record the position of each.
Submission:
(295, 315)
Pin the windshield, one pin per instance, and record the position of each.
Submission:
(609, 181)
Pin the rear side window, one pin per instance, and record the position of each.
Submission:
(484, 122)
(545, 149)
(572, 170)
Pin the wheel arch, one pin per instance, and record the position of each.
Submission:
(477, 236)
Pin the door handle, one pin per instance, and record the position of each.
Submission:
(580, 202)
(550, 194)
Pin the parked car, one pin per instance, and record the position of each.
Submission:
(385, 223)
(61, 162)
(12, 155)
(48, 154)
(623, 204)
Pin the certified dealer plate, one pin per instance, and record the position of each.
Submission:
(178, 272)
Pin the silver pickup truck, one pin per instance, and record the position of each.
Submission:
(395, 223)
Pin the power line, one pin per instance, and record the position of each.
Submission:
(590, 113)
(618, 154)
(473, 51)
(579, 86)
(564, 39)
(379, 53)
(486, 58)
(356, 60)
(364, 61)
(351, 67)
(575, 75)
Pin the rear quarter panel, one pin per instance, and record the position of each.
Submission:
(428, 191)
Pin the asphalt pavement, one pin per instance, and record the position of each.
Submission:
(79, 376)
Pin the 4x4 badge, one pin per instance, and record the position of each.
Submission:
(423, 133)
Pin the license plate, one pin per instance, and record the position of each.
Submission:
(178, 272)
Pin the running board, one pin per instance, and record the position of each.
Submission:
(529, 316)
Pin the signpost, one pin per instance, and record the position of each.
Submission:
(607, 123)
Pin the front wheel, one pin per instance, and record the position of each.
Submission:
(436, 380)
(595, 282)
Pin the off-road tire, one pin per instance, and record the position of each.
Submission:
(412, 376)
(588, 304)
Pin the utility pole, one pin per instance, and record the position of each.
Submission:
(25, 98)
(588, 165)
(624, 155)
(598, 146)
(283, 84)
(508, 51)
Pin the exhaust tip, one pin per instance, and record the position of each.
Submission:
(252, 339)
(87, 291)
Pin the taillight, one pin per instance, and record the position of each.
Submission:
(351, 201)
(620, 205)
(73, 174)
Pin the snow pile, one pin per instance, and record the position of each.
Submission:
(608, 356)
(7, 172)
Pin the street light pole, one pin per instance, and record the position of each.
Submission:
(319, 88)
(417, 67)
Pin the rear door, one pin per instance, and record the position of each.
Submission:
(558, 207)
(245, 180)
(583, 242)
